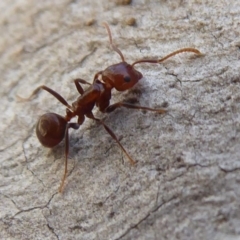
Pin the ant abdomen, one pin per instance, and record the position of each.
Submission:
(50, 129)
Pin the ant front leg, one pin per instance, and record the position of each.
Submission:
(114, 106)
(78, 85)
(97, 76)
(112, 134)
(74, 126)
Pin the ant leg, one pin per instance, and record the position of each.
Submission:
(97, 76)
(74, 126)
(55, 94)
(78, 86)
(111, 133)
(114, 106)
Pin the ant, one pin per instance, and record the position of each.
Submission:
(52, 128)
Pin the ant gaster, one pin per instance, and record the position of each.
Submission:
(52, 128)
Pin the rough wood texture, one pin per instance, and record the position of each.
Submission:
(186, 182)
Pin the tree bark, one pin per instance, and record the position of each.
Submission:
(185, 184)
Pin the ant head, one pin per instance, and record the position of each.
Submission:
(121, 76)
(50, 129)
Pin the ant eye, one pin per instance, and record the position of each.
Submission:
(127, 79)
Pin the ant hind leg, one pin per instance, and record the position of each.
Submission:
(52, 92)
(74, 126)
(112, 134)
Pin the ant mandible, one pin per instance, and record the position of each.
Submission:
(52, 128)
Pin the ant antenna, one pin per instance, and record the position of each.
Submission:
(168, 56)
(111, 43)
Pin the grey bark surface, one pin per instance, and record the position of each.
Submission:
(186, 182)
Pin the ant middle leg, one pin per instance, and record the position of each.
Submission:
(52, 92)
(114, 106)
(112, 134)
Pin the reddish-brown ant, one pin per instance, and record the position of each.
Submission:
(52, 128)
